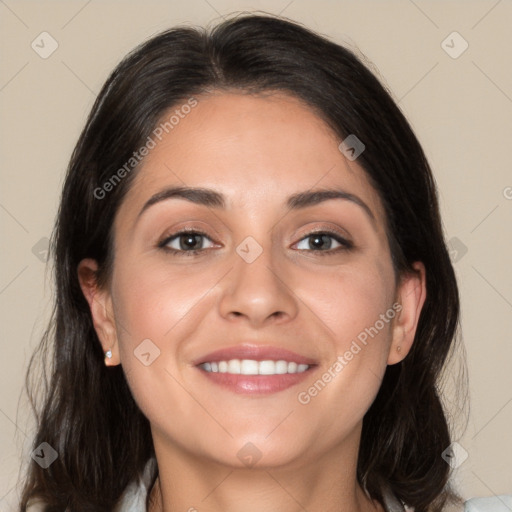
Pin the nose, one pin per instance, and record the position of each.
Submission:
(258, 292)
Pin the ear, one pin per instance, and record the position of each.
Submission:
(411, 296)
(100, 304)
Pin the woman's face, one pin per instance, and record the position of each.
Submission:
(261, 278)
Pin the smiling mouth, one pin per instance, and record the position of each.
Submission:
(262, 377)
(253, 367)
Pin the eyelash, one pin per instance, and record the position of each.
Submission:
(346, 245)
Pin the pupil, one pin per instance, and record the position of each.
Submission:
(319, 240)
(189, 240)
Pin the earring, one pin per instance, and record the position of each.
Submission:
(108, 354)
(398, 348)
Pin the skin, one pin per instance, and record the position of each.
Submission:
(257, 151)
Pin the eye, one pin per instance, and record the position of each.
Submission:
(189, 243)
(185, 242)
(321, 242)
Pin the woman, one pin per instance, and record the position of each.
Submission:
(254, 295)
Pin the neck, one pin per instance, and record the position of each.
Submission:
(192, 484)
(360, 503)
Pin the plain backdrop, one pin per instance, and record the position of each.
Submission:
(447, 64)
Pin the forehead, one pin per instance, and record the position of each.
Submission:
(255, 149)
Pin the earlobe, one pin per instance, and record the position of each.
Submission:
(411, 297)
(100, 305)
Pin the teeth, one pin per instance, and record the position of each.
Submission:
(252, 367)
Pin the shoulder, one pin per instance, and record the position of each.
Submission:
(133, 499)
(134, 496)
(501, 503)
(35, 505)
(491, 504)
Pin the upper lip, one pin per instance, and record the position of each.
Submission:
(254, 352)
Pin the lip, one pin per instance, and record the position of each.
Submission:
(256, 353)
(255, 384)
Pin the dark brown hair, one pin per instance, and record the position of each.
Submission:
(87, 412)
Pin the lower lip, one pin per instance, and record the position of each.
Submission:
(256, 384)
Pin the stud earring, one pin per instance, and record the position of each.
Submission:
(399, 348)
(108, 354)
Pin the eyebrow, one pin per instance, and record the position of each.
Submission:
(213, 199)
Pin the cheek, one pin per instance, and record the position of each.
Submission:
(354, 310)
(151, 298)
(155, 311)
(348, 301)
(158, 311)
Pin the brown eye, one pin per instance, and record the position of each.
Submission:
(322, 242)
(188, 242)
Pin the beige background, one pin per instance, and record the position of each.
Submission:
(460, 108)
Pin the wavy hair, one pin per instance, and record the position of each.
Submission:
(87, 412)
